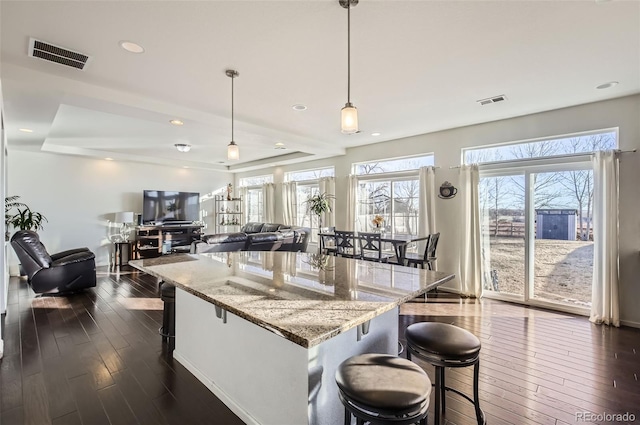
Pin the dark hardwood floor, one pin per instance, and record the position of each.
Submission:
(97, 358)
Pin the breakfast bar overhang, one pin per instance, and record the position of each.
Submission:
(265, 331)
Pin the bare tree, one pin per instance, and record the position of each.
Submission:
(545, 185)
(580, 183)
(405, 196)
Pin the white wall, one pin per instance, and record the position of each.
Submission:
(623, 113)
(80, 195)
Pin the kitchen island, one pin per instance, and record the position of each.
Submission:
(265, 331)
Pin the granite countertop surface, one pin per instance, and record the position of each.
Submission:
(305, 298)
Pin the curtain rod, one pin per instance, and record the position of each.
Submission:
(543, 158)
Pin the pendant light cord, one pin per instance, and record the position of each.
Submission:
(349, 52)
(232, 78)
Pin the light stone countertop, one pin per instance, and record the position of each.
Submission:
(305, 298)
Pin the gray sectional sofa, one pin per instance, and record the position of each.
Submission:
(256, 237)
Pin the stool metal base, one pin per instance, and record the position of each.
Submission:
(441, 388)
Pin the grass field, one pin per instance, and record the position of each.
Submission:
(563, 269)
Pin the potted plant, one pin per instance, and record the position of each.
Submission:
(10, 202)
(25, 219)
(320, 204)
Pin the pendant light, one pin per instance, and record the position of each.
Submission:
(233, 153)
(349, 115)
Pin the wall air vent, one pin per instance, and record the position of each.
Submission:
(493, 99)
(49, 52)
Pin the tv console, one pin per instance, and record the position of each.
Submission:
(155, 240)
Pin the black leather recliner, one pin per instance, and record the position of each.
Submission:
(65, 271)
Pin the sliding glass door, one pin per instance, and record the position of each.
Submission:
(502, 214)
(537, 242)
(563, 249)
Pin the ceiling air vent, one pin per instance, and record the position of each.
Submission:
(493, 99)
(57, 54)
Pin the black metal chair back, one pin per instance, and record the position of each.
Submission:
(430, 249)
(345, 243)
(371, 246)
(327, 242)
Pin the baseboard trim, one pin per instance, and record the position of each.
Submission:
(229, 402)
(630, 323)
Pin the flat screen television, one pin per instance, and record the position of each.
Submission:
(166, 207)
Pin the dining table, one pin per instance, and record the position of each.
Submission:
(399, 242)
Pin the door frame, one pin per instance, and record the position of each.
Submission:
(528, 168)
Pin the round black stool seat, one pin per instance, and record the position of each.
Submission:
(442, 340)
(444, 345)
(383, 389)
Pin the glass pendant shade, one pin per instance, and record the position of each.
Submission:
(349, 119)
(233, 153)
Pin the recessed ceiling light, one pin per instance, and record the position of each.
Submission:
(299, 107)
(607, 85)
(132, 47)
(26, 130)
(177, 122)
(109, 159)
(375, 134)
(279, 145)
(183, 147)
(185, 166)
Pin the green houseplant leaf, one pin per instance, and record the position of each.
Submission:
(25, 219)
(320, 203)
(11, 202)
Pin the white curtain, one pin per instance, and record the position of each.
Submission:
(470, 265)
(426, 203)
(604, 298)
(328, 185)
(289, 203)
(243, 193)
(268, 202)
(352, 189)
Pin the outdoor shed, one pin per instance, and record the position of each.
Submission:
(556, 224)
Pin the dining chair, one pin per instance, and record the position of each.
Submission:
(429, 255)
(345, 244)
(327, 242)
(371, 247)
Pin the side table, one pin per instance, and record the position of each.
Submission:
(122, 253)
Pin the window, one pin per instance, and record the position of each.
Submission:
(305, 217)
(308, 185)
(392, 165)
(253, 199)
(396, 200)
(543, 148)
(255, 181)
(389, 188)
(536, 216)
(298, 176)
(254, 205)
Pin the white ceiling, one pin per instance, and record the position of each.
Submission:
(417, 67)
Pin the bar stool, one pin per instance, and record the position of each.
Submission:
(444, 345)
(168, 329)
(383, 389)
